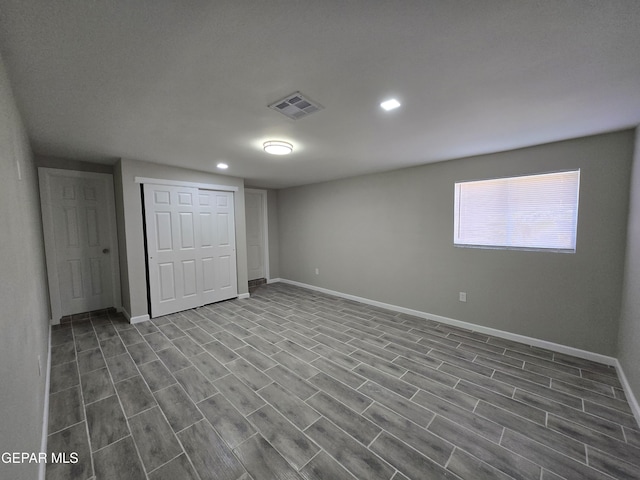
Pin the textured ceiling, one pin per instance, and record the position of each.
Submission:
(188, 82)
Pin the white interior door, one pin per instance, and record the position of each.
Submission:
(254, 208)
(218, 242)
(171, 247)
(190, 247)
(78, 213)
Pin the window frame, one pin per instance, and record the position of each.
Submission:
(457, 217)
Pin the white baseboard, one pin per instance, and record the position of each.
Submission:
(139, 319)
(275, 280)
(631, 398)
(42, 470)
(242, 296)
(133, 320)
(536, 342)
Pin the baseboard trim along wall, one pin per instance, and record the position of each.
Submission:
(631, 398)
(242, 296)
(134, 320)
(139, 319)
(42, 470)
(536, 342)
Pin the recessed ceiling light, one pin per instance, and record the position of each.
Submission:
(276, 147)
(390, 104)
(222, 166)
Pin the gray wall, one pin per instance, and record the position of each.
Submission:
(24, 320)
(389, 237)
(629, 339)
(69, 164)
(130, 221)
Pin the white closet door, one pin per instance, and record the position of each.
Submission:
(172, 248)
(217, 233)
(190, 247)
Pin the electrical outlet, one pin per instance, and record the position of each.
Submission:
(317, 271)
(463, 296)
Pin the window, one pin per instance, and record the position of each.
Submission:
(528, 212)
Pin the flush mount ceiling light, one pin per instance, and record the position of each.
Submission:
(222, 166)
(390, 104)
(276, 147)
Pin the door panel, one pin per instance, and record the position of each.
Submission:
(90, 193)
(161, 197)
(96, 275)
(223, 229)
(93, 235)
(187, 240)
(207, 230)
(224, 275)
(71, 222)
(185, 198)
(163, 237)
(208, 275)
(189, 277)
(75, 269)
(166, 276)
(69, 192)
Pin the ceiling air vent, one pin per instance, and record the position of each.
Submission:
(296, 106)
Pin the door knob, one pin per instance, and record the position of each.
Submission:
(105, 250)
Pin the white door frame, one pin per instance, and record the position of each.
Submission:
(265, 228)
(44, 175)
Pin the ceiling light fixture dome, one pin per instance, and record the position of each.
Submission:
(277, 147)
(390, 104)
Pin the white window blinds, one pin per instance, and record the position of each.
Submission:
(531, 212)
